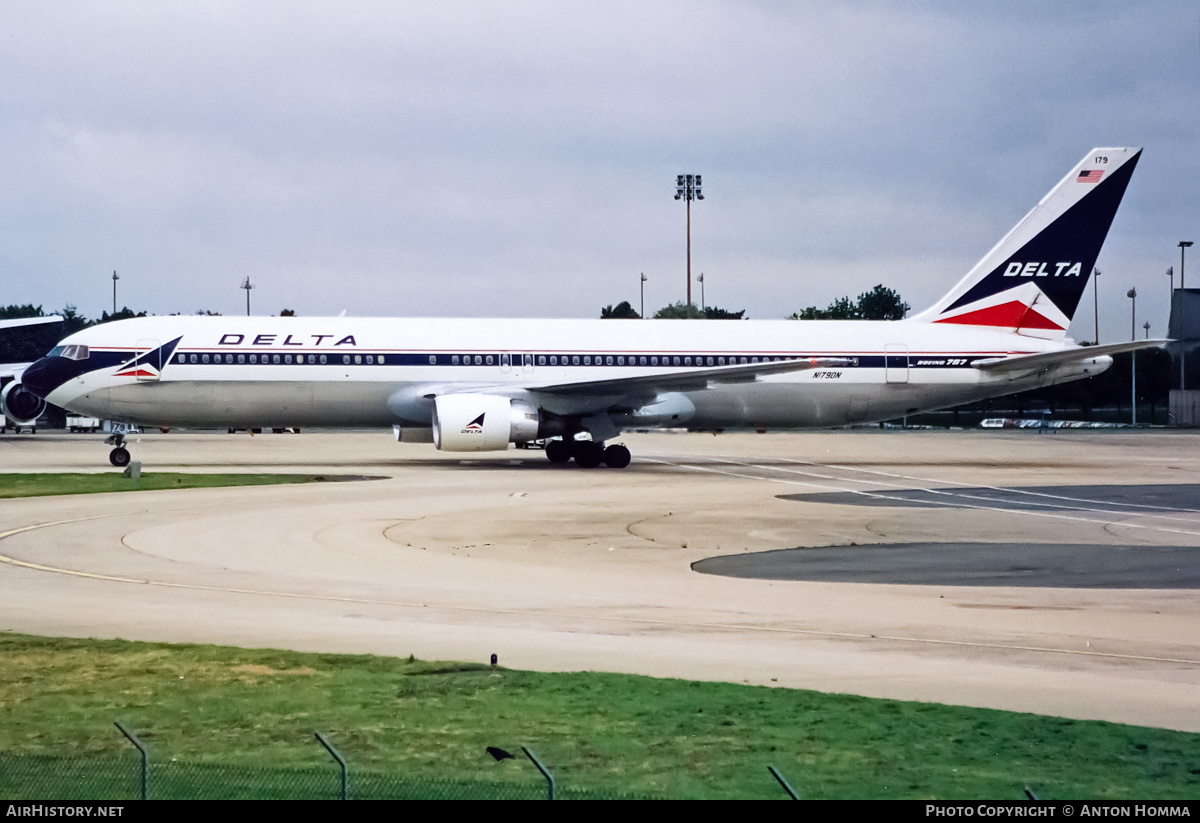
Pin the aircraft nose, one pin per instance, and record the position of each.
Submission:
(41, 377)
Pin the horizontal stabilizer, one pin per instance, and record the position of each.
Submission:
(1045, 360)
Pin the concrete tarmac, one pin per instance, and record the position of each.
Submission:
(559, 568)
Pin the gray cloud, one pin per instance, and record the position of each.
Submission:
(518, 159)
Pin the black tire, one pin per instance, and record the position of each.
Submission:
(589, 455)
(558, 451)
(119, 457)
(617, 457)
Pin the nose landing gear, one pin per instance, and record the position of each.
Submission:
(119, 456)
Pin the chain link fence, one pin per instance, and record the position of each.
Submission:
(48, 777)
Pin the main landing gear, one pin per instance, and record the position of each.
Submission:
(587, 453)
(119, 456)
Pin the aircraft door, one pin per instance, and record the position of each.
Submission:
(895, 363)
(505, 362)
(149, 369)
(529, 364)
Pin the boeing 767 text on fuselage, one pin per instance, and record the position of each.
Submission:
(478, 385)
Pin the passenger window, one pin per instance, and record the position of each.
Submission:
(179, 358)
(346, 359)
(554, 360)
(541, 359)
(287, 358)
(324, 360)
(478, 360)
(489, 359)
(432, 359)
(379, 359)
(204, 358)
(275, 359)
(687, 361)
(454, 360)
(370, 360)
(720, 361)
(358, 359)
(608, 361)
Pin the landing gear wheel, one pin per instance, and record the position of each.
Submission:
(588, 454)
(558, 451)
(119, 457)
(617, 457)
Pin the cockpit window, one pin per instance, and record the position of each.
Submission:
(74, 352)
(56, 351)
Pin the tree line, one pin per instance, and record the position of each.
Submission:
(880, 303)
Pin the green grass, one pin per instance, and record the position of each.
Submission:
(258, 709)
(38, 485)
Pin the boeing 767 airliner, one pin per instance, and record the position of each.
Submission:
(477, 385)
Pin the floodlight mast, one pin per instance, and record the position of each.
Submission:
(246, 285)
(1183, 247)
(687, 188)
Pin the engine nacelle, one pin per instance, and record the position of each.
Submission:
(20, 405)
(482, 422)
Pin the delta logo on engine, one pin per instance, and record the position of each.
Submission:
(475, 426)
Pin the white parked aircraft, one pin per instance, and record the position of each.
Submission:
(478, 385)
(18, 337)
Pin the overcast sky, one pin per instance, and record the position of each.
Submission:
(519, 158)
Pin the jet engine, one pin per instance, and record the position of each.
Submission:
(20, 405)
(482, 422)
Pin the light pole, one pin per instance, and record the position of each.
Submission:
(687, 188)
(1146, 326)
(643, 295)
(246, 285)
(115, 279)
(1132, 295)
(1171, 274)
(703, 305)
(1096, 301)
(1183, 244)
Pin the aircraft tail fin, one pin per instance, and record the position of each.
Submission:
(1031, 282)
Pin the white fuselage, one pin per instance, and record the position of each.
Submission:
(269, 371)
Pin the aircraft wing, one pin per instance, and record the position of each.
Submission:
(1045, 360)
(22, 322)
(13, 369)
(691, 380)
